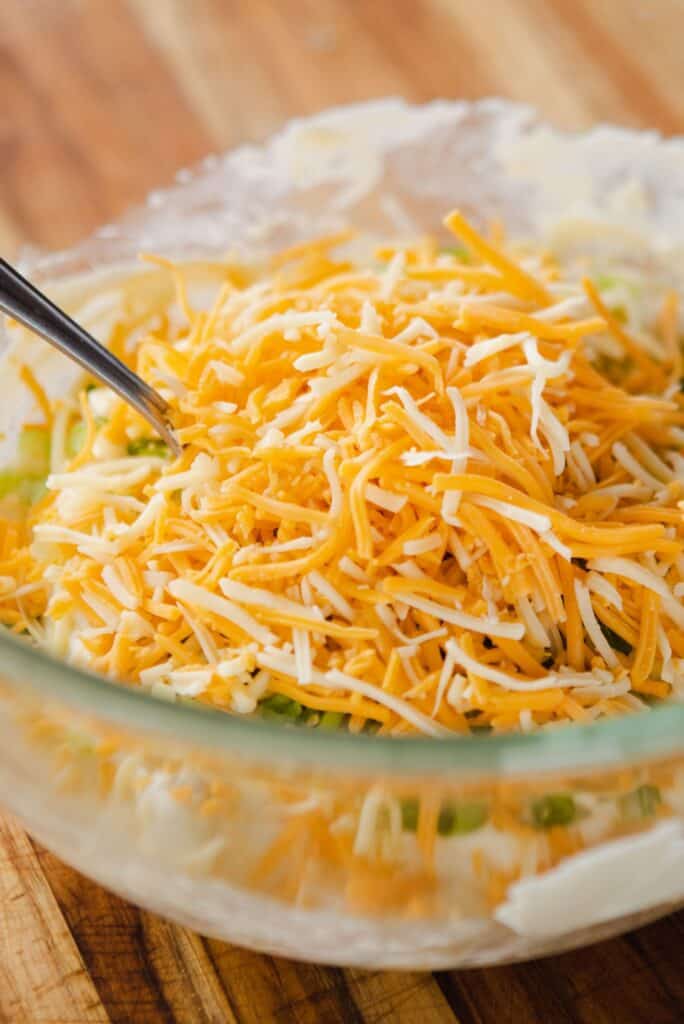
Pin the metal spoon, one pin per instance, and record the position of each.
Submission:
(19, 299)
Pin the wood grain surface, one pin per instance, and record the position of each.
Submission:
(100, 101)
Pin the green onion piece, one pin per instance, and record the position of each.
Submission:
(617, 642)
(409, 814)
(276, 702)
(75, 439)
(280, 706)
(24, 486)
(459, 252)
(34, 450)
(480, 729)
(605, 281)
(460, 819)
(148, 446)
(10, 482)
(33, 489)
(554, 809)
(642, 802)
(331, 720)
(370, 727)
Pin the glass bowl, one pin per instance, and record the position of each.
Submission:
(345, 849)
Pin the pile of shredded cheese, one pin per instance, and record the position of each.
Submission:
(438, 493)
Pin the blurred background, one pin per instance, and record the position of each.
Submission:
(102, 100)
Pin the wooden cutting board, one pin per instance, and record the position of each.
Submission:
(100, 101)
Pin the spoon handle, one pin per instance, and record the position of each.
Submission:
(22, 301)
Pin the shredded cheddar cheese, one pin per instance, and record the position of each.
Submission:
(409, 495)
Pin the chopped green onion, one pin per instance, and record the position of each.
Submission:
(276, 702)
(34, 450)
(370, 727)
(148, 446)
(459, 252)
(331, 720)
(26, 487)
(75, 439)
(617, 642)
(409, 814)
(605, 281)
(34, 489)
(280, 706)
(642, 802)
(554, 809)
(460, 819)
(10, 482)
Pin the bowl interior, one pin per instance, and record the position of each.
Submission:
(389, 170)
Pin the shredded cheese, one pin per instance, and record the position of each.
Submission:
(405, 494)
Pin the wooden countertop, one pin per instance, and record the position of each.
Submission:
(102, 100)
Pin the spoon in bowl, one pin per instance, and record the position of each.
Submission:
(22, 301)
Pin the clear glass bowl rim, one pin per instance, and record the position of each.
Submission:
(611, 741)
